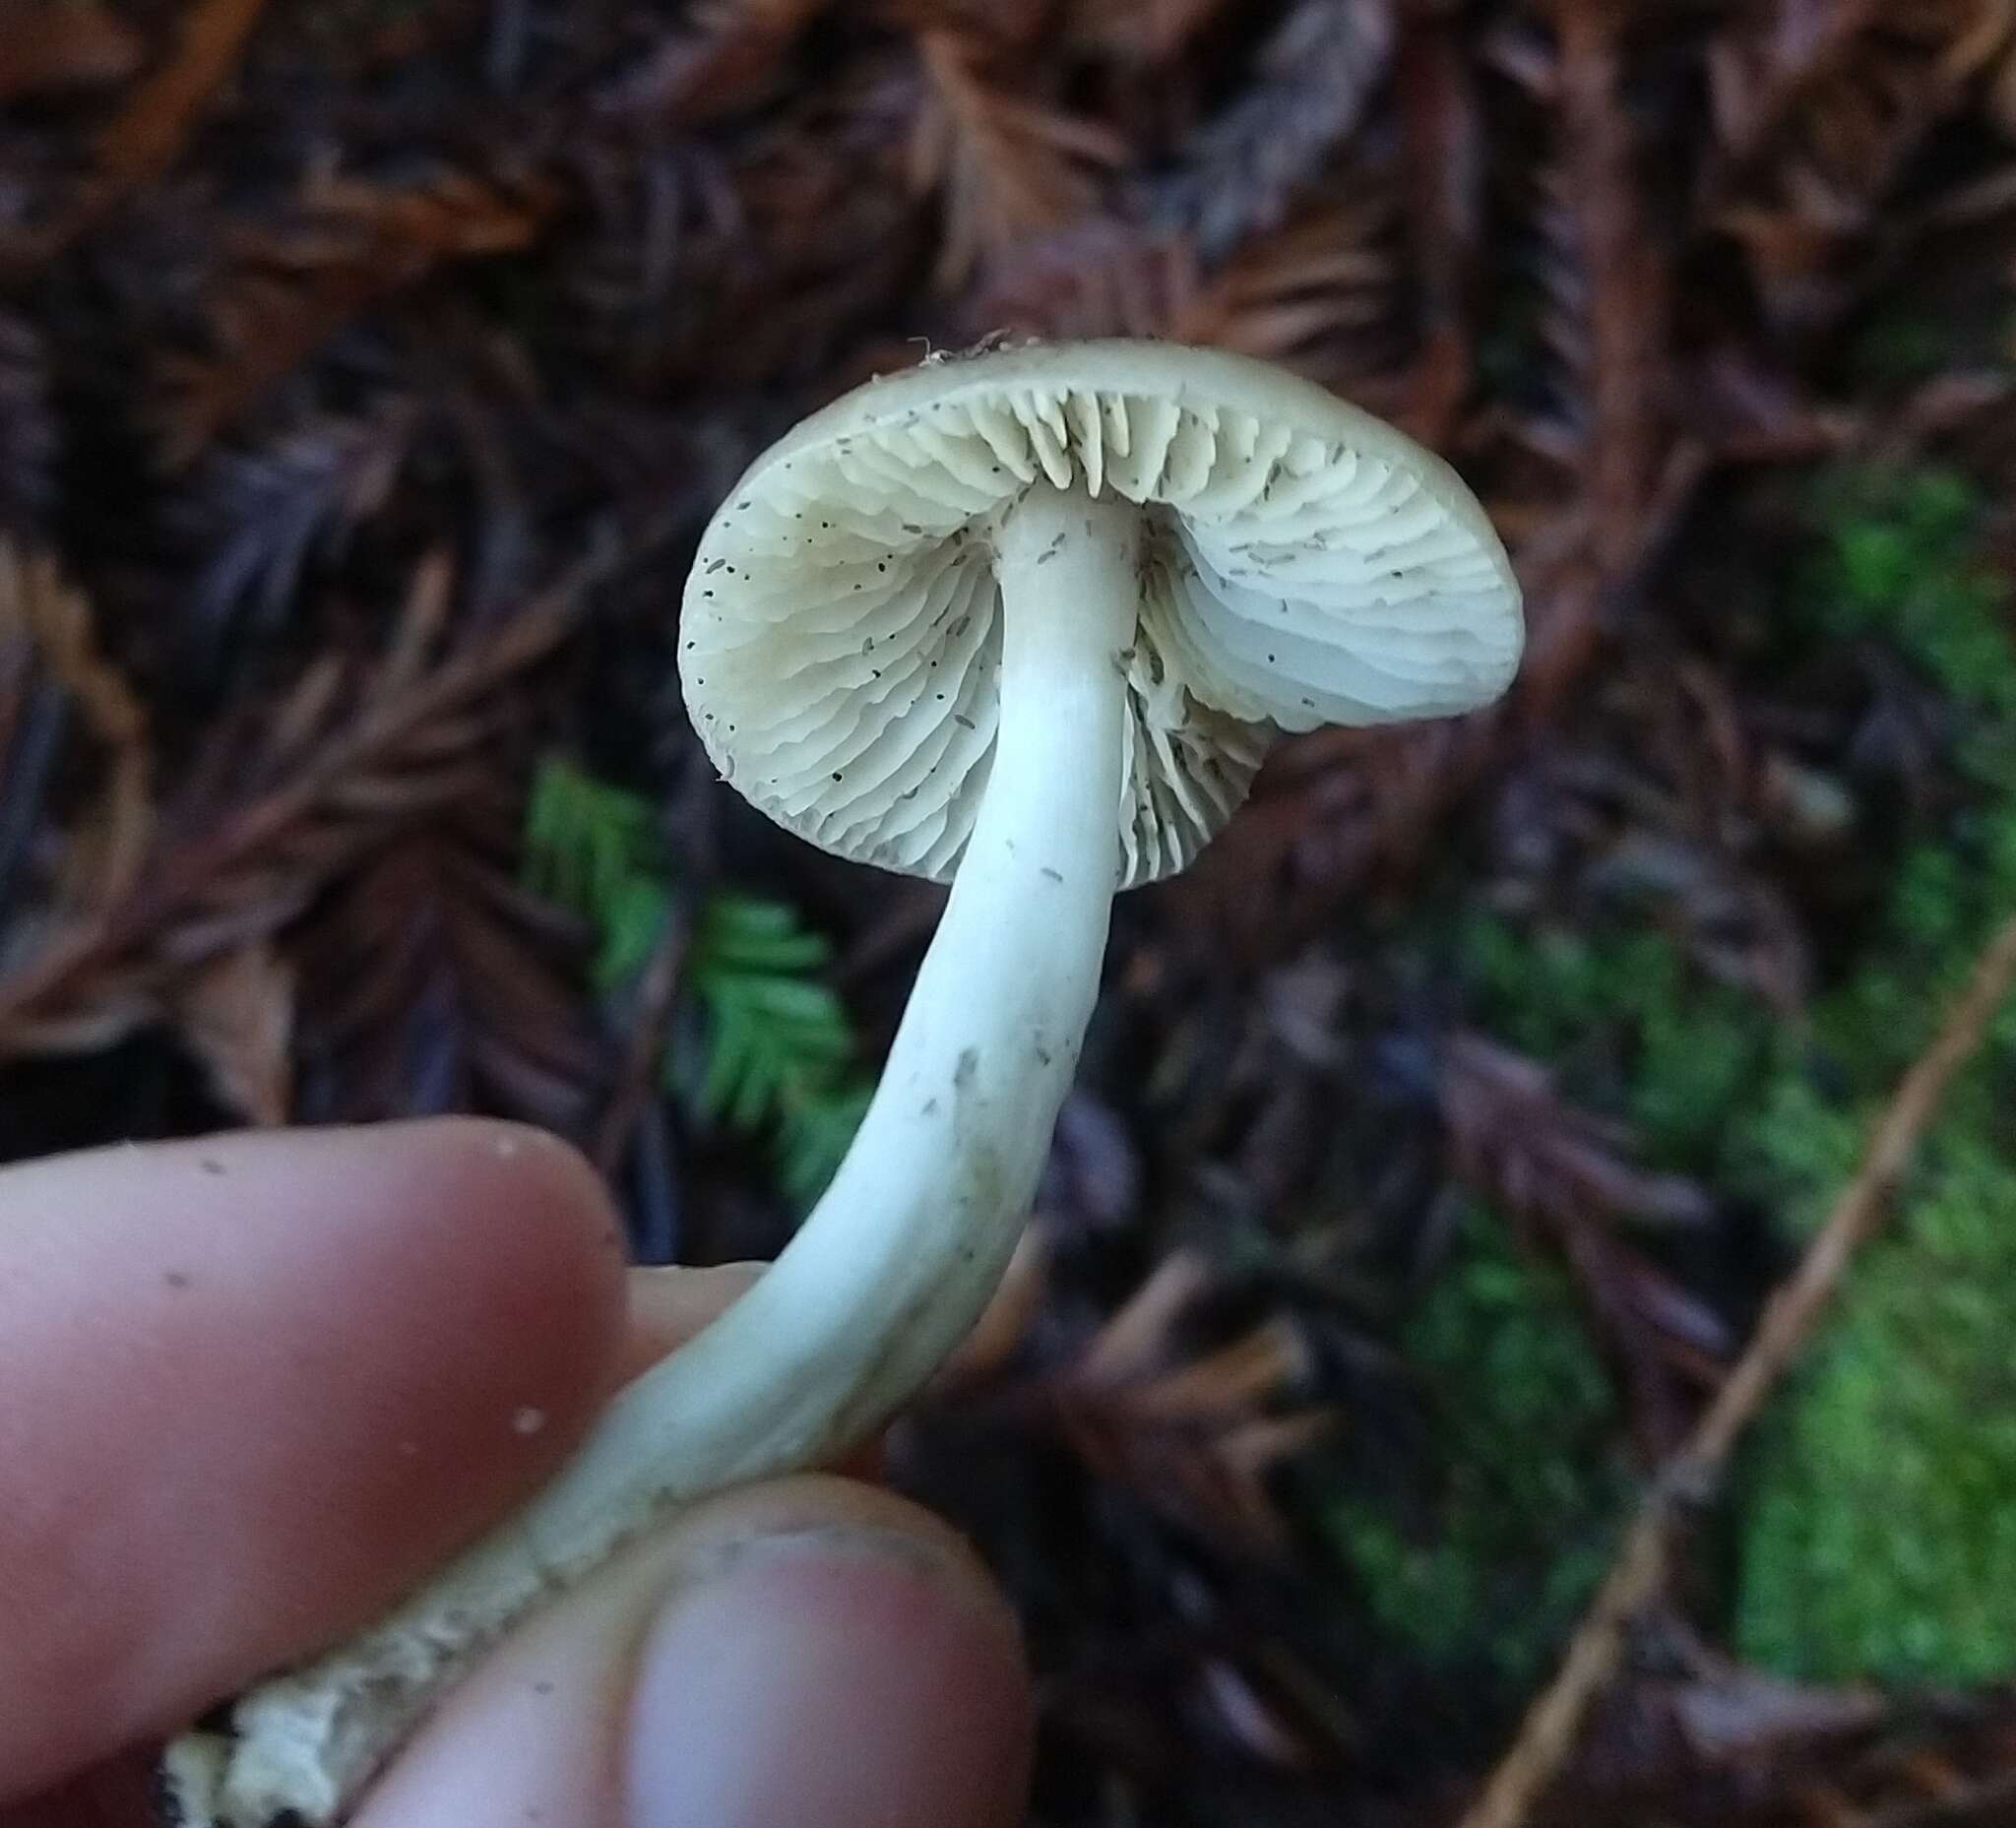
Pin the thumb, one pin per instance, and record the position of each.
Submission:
(806, 1654)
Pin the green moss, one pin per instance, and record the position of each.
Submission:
(1877, 1535)
(1898, 348)
(1621, 1004)
(1898, 562)
(1496, 1558)
(1880, 1538)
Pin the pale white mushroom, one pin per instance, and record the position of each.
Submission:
(1025, 622)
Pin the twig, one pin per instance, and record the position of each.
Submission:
(657, 992)
(1548, 1732)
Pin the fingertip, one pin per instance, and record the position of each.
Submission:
(859, 1677)
(526, 1235)
(811, 1651)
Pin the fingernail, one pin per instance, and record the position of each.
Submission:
(830, 1678)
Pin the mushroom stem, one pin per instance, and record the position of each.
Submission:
(896, 1262)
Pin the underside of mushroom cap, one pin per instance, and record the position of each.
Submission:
(1301, 564)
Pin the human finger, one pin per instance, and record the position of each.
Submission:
(805, 1654)
(254, 1386)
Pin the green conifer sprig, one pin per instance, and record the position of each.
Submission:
(768, 1050)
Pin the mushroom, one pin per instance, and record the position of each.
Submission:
(1025, 622)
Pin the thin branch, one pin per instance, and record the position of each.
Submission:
(657, 994)
(1548, 1734)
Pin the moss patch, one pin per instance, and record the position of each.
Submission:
(1495, 1560)
(1880, 1536)
(1876, 1535)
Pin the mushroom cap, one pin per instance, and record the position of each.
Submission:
(1302, 563)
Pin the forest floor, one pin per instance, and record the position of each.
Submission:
(368, 369)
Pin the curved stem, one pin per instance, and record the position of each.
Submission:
(896, 1262)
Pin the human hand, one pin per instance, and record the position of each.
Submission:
(253, 1387)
